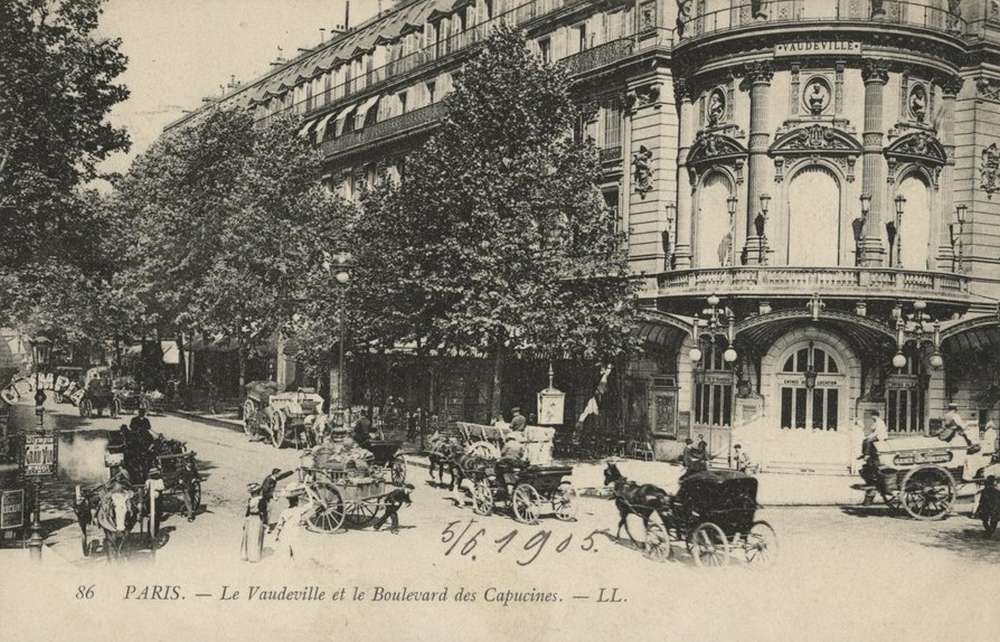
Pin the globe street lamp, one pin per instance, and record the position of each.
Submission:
(339, 266)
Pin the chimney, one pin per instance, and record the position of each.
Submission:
(322, 35)
(347, 15)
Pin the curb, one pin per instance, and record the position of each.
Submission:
(212, 421)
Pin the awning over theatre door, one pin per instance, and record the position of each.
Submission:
(868, 336)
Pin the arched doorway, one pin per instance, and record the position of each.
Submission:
(813, 215)
(811, 382)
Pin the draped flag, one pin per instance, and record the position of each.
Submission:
(592, 407)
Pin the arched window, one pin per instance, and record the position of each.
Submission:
(914, 237)
(814, 228)
(713, 222)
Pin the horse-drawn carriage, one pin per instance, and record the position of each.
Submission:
(97, 397)
(713, 514)
(117, 505)
(386, 456)
(286, 417)
(535, 490)
(921, 475)
(128, 397)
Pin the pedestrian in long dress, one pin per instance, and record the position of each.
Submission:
(252, 546)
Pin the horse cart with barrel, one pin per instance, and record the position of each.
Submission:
(121, 503)
(921, 475)
(284, 417)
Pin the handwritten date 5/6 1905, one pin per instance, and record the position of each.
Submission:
(532, 543)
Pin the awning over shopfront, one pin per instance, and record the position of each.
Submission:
(971, 334)
(342, 118)
(362, 112)
(304, 131)
(321, 127)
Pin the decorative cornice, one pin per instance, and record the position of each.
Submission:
(875, 71)
(712, 148)
(642, 96)
(920, 147)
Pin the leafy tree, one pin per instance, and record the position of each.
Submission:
(226, 219)
(498, 241)
(56, 87)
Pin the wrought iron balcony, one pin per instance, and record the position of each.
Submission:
(848, 282)
(925, 14)
(409, 122)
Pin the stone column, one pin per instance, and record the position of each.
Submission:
(875, 74)
(682, 243)
(950, 86)
(759, 76)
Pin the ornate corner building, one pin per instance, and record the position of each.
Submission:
(808, 188)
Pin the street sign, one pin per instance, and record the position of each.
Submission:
(40, 454)
(12, 509)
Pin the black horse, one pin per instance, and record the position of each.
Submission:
(634, 499)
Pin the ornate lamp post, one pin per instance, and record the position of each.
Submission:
(920, 328)
(810, 373)
(339, 266)
(894, 232)
(41, 349)
(858, 225)
(670, 236)
(720, 322)
(730, 254)
(760, 225)
(956, 239)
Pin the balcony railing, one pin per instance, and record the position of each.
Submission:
(423, 117)
(847, 281)
(918, 13)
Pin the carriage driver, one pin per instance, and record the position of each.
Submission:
(511, 460)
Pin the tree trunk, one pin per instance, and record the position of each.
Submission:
(241, 355)
(499, 363)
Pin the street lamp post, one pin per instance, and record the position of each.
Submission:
(760, 225)
(894, 231)
(41, 348)
(731, 253)
(340, 267)
(956, 239)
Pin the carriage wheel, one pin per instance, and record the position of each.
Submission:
(526, 501)
(709, 545)
(398, 467)
(761, 546)
(657, 543)
(277, 428)
(927, 492)
(85, 407)
(249, 418)
(482, 498)
(564, 503)
(361, 513)
(116, 408)
(329, 514)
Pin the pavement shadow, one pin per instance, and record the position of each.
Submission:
(969, 543)
(874, 510)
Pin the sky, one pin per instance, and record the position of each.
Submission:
(182, 50)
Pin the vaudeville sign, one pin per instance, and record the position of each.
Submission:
(12, 508)
(40, 454)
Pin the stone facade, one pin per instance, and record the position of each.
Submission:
(825, 172)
